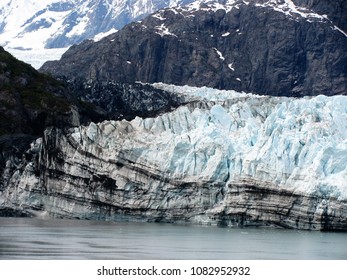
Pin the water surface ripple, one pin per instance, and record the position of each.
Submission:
(23, 238)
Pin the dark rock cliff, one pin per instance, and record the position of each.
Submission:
(123, 101)
(335, 10)
(30, 102)
(249, 47)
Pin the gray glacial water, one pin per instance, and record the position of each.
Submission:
(23, 238)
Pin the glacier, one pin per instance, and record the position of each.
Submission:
(223, 158)
(28, 28)
(297, 143)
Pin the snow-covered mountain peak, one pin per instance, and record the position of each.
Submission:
(211, 5)
(31, 27)
(35, 26)
(287, 7)
(60, 23)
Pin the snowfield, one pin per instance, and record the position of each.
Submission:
(31, 27)
(28, 28)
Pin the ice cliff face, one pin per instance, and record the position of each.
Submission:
(224, 158)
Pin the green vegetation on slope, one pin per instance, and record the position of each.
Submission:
(26, 94)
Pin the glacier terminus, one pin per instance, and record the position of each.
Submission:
(223, 158)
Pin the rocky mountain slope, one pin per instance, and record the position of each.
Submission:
(266, 47)
(125, 101)
(335, 10)
(45, 29)
(62, 23)
(30, 102)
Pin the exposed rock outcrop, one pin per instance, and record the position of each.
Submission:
(124, 101)
(266, 47)
(335, 10)
(58, 24)
(29, 102)
(32, 102)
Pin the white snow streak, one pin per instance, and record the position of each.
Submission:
(164, 31)
(221, 57)
(230, 66)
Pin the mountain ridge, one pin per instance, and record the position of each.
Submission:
(256, 46)
(45, 29)
(62, 23)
